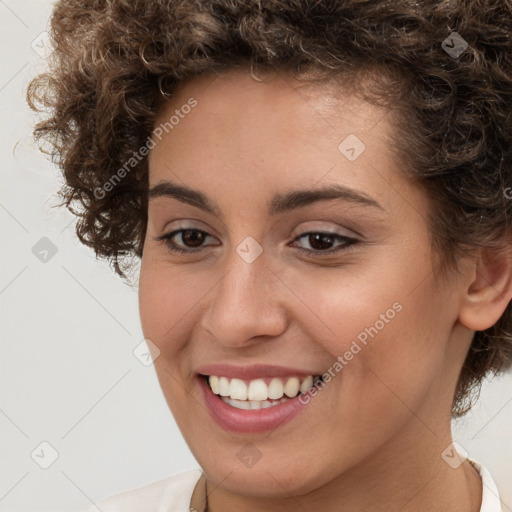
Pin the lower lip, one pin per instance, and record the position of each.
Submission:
(249, 421)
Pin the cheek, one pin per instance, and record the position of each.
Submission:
(166, 302)
(386, 335)
(165, 299)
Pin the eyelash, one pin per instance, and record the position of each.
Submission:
(349, 242)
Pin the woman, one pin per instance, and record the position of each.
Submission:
(317, 193)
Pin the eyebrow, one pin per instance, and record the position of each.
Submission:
(280, 203)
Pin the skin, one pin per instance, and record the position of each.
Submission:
(372, 438)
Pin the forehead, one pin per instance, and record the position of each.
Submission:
(244, 94)
(246, 142)
(277, 119)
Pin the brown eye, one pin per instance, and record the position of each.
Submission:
(321, 243)
(191, 240)
(192, 237)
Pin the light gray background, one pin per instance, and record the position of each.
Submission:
(69, 327)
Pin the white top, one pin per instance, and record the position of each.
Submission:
(173, 494)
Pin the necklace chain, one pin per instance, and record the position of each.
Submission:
(195, 501)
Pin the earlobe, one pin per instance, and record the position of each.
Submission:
(488, 289)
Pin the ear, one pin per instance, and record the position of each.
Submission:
(487, 290)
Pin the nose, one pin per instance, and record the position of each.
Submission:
(245, 304)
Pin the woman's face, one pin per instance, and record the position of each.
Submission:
(279, 285)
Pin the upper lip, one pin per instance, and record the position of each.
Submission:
(251, 372)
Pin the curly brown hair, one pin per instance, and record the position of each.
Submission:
(116, 62)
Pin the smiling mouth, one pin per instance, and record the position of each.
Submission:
(259, 393)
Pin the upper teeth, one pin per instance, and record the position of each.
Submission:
(258, 389)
